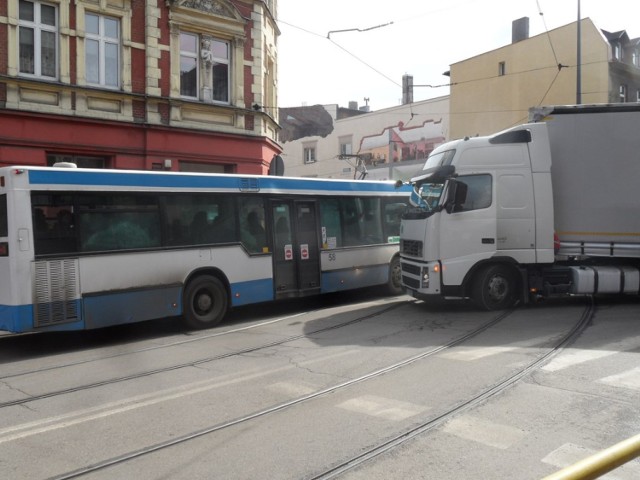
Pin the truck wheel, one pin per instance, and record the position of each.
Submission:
(205, 302)
(494, 288)
(394, 284)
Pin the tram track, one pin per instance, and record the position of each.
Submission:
(176, 441)
(200, 337)
(179, 366)
(436, 421)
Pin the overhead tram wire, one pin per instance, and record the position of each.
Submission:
(328, 36)
(558, 65)
(548, 35)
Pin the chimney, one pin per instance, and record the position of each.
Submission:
(519, 29)
(407, 89)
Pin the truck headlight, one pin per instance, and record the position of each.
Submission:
(425, 278)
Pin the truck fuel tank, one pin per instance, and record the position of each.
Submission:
(605, 279)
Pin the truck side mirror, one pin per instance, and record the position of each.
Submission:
(456, 196)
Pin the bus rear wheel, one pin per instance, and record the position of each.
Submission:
(205, 302)
(494, 288)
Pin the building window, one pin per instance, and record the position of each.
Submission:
(617, 51)
(188, 65)
(623, 93)
(219, 67)
(38, 39)
(102, 50)
(82, 161)
(345, 146)
(502, 69)
(635, 58)
(309, 154)
(215, 58)
(638, 95)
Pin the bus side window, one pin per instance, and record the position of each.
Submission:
(40, 225)
(202, 219)
(53, 224)
(4, 217)
(252, 232)
(330, 220)
(371, 221)
(351, 222)
(392, 215)
(119, 222)
(199, 229)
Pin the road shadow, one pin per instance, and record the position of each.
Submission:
(416, 324)
(16, 347)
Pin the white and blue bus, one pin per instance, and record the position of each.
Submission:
(84, 249)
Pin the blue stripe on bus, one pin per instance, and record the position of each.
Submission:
(338, 280)
(16, 318)
(151, 180)
(120, 308)
(253, 291)
(19, 319)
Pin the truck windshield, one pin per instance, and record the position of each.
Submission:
(439, 159)
(424, 200)
(430, 193)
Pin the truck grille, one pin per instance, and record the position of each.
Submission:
(411, 282)
(412, 248)
(409, 268)
(56, 292)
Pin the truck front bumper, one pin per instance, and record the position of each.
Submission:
(421, 279)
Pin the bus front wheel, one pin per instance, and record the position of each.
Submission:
(394, 284)
(205, 302)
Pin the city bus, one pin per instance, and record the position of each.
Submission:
(88, 248)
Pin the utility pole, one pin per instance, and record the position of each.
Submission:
(579, 61)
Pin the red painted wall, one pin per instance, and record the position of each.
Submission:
(26, 139)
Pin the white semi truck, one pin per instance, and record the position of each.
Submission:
(548, 207)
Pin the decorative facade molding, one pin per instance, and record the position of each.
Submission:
(215, 7)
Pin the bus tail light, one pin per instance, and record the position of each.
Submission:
(4, 249)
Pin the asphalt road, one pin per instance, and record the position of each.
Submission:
(348, 386)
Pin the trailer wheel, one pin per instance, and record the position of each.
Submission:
(394, 284)
(494, 288)
(205, 302)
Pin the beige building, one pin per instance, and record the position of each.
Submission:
(183, 85)
(494, 90)
(331, 142)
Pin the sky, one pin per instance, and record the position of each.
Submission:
(319, 64)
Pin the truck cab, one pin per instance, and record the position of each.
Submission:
(486, 210)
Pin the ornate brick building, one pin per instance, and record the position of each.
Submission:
(184, 85)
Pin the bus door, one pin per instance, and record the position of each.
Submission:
(296, 249)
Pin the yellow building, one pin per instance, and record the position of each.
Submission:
(494, 90)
